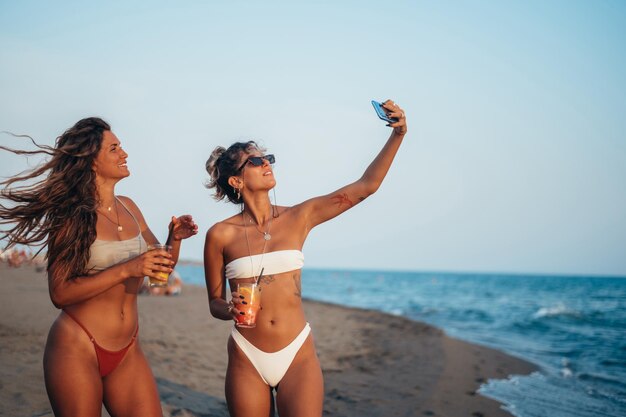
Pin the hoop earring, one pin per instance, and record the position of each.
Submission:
(238, 190)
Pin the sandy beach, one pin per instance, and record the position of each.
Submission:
(374, 364)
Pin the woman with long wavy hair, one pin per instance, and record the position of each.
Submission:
(263, 243)
(97, 259)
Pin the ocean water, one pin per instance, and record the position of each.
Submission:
(573, 328)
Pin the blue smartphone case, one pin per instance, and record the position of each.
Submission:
(380, 111)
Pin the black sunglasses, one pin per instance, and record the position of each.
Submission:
(257, 161)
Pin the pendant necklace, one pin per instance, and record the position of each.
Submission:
(266, 237)
(117, 215)
(266, 234)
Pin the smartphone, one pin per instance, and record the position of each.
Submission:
(382, 113)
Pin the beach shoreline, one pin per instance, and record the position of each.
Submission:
(374, 364)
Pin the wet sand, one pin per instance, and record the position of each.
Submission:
(374, 364)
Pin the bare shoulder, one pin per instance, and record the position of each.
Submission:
(286, 210)
(223, 231)
(292, 217)
(296, 210)
(288, 214)
(128, 202)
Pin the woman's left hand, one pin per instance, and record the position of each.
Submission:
(183, 227)
(395, 111)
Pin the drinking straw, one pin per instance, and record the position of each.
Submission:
(170, 234)
(260, 275)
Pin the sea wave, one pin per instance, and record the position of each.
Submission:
(551, 396)
(557, 310)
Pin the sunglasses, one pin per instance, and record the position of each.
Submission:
(257, 161)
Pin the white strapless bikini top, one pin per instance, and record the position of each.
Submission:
(272, 263)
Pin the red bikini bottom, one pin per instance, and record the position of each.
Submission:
(107, 359)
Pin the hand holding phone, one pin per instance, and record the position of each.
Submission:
(382, 112)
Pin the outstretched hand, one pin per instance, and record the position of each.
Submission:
(183, 227)
(396, 112)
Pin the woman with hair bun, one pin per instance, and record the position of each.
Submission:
(96, 251)
(263, 243)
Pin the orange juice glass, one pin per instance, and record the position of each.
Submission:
(162, 277)
(251, 292)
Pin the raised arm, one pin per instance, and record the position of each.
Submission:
(320, 209)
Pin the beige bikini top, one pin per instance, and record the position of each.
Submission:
(106, 253)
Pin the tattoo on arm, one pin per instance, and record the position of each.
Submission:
(298, 282)
(342, 199)
(267, 279)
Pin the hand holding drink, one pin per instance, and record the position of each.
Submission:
(248, 303)
(160, 277)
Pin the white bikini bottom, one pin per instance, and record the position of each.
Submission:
(272, 367)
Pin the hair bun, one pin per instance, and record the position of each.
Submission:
(211, 165)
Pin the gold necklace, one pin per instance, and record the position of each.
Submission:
(117, 215)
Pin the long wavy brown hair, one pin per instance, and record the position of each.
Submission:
(57, 212)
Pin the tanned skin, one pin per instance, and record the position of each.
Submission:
(301, 391)
(106, 303)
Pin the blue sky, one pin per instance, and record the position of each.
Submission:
(516, 156)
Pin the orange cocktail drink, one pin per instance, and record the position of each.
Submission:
(251, 292)
(161, 277)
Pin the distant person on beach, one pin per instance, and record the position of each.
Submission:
(96, 251)
(263, 242)
(175, 284)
